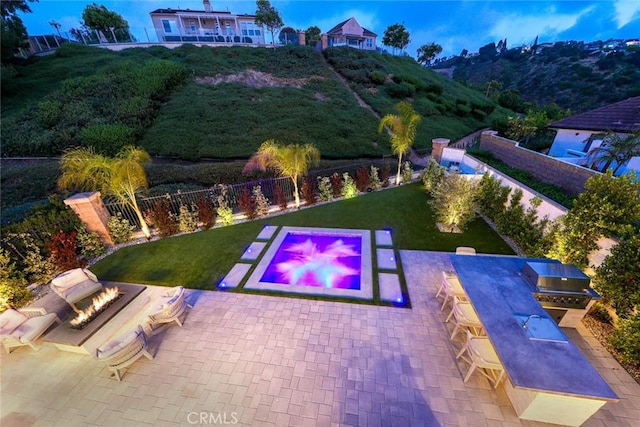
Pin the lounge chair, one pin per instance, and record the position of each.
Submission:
(76, 285)
(124, 350)
(24, 326)
(169, 308)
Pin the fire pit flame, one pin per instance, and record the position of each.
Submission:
(99, 303)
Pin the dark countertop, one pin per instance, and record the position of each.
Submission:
(497, 292)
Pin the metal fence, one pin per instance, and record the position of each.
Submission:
(234, 192)
(41, 236)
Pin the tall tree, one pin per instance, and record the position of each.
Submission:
(312, 35)
(268, 16)
(396, 36)
(111, 25)
(288, 35)
(292, 161)
(403, 128)
(121, 176)
(13, 34)
(616, 148)
(427, 52)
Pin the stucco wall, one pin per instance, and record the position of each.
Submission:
(569, 177)
(352, 27)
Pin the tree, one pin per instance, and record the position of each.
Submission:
(110, 25)
(312, 35)
(427, 52)
(616, 148)
(608, 207)
(403, 128)
(268, 16)
(396, 36)
(492, 89)
(13, 34)
(121, 176)
(454, 201)
(292, 161)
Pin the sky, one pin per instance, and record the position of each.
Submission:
(453, 24)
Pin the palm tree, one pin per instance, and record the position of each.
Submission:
(403, 130)
(291, 161)
(121, 176)
(616, 149)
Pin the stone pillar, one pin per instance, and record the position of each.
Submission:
(325, 41)
(92, 212)
(301, 38)
(438, 145)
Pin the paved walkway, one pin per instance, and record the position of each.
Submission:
(276, 361)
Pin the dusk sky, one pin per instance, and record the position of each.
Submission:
(455, 25)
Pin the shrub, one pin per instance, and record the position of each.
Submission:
(349, 188)
(163, 219)
(90, 243)
(362, 179)
(336, 184)
(492, 197)
(309, 191)
(247, 204)
(407, 173)
(374, 178)
(38, 267)
(454, 202)
(618, 277)
(13, 285)
(206, 212)
(224, 210)
(377, 77)
(120, 229)
(400, 90)
(325, 189)
(432, 175)
(626, 339)
(107, 138)
(262, 203)
(64, 249)
(279, 198)
(187, 220)
(600, 312)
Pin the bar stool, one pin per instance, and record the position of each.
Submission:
(482, 355)
(465, 317)
(451, 287)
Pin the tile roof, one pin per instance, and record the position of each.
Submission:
(623, 116)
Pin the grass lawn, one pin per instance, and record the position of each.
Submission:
(201, 260)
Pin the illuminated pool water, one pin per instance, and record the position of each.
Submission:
(324, 260)
(317, 261)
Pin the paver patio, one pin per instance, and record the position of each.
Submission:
(265, 360)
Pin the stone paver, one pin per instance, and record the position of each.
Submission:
(276, 361)
(383, 238)
(253, 251)
(390, 287)
(386, 259)
(267, 232)
(235, 276)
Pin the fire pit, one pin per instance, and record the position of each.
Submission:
(98, 305)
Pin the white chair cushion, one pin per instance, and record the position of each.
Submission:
(69, 279)
(10, 320)
(30, 330)
(112, 347)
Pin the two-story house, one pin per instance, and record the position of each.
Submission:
(350, 33)
(184, 25)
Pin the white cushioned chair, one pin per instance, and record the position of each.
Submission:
(124, 350)
(168, 308)
(76, 285)
(24, 326)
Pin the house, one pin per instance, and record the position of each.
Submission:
(577, 136)
(350, 33)
(184, 25)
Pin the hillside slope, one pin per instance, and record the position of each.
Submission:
(566, 74)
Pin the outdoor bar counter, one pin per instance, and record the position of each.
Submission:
(547, 380)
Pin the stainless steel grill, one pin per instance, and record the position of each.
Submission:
(558, 285)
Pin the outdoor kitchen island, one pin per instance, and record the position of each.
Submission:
(547, 378)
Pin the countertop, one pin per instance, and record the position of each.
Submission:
(498, 292)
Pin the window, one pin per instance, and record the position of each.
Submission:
(192, 25)
(369, 42)
(229, 32)
(249, 29)
(166, 25)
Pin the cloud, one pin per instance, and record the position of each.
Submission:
(518, 28)
(625, 11)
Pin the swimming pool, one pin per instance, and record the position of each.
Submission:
(321, 261)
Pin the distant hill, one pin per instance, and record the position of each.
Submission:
(202, 102)
(575, 75)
